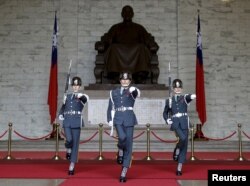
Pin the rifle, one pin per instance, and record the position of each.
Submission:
(66, 88)
(169, 93)
(67, 79)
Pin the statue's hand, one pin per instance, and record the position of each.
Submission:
(154, 48)
(99, 46)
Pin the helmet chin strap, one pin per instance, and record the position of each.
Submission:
(178, 92)
(125, 85)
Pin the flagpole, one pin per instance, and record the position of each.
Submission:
(53, 83)
(200, 87)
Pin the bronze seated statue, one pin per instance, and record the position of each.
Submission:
(127, 47)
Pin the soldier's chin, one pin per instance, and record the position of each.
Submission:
(125, 85)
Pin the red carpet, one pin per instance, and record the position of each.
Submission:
(107, 169)
(106, 172)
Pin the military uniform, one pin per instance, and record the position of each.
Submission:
(180, 121)
(73, 122)
(122, 101)
(71, 114)
(178, 105)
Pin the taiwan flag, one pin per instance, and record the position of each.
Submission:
(200, 87)
(53, 83)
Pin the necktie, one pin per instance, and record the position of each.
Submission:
(177, 97)
(74, 95)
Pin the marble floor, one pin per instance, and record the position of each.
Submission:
(57, 182)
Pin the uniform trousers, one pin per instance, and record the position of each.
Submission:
(125, 142)
(73, 137)
(182, 144)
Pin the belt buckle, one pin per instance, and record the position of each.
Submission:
(178, 115)
(123, 108)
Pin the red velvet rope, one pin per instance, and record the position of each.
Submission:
(222, 138)
(166, 141)
(246, 135)
(109, 135)
(85, 141)
(139, 135)
(3, 134)
(63, 134)
(27, 138)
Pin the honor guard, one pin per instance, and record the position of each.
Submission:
(71, 115)
(120, 114)
(179, 121)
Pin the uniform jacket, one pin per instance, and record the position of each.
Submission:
(178, 106)
(126, 99)
(72, 110)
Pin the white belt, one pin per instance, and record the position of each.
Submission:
(72, 112)
(178, 115)
(122, 108)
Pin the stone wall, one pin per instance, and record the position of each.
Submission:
(26, 28)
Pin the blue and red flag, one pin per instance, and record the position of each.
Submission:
(200, 86)
(53, 83)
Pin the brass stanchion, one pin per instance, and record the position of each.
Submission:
(57, 157)
(100, 157)
(192, 158)
(9, 157)
(148, 157)
(53, 133)
(240, 158)
(199, 136)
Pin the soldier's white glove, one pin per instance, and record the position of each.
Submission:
(170, 102)
(61, 117)
(193, 96)
(110, 123)
(64, 99)
(132, 89)
(79, 95)
(169, 121)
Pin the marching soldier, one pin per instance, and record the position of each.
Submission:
(120, 114)
(179, 121)
(71, 114)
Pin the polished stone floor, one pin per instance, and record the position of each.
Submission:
(192, 182)
(57, 182)
(30, 182)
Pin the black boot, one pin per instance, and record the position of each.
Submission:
(123, 179)
(178, 173)
(71, 172)
(123, 174)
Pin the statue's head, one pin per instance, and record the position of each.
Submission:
(127, 13)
